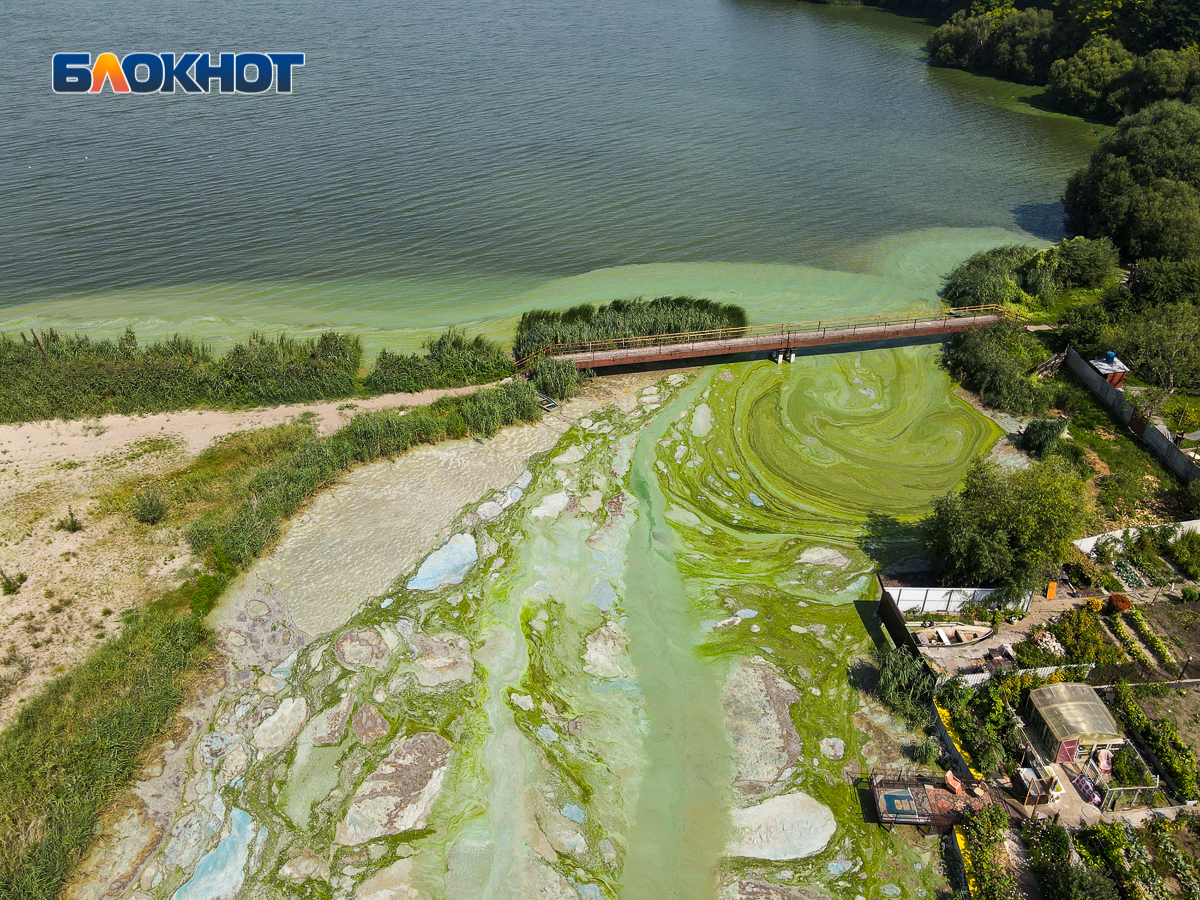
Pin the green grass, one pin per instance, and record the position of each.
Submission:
(76, 745)
(1138, 481)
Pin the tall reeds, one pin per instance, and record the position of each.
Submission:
(622, 318)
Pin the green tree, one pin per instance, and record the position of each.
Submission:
(995, 362)
(1141, 187)
(1160, 75)
(1007, 529)
(1019, 44)
(1087, 82)
(1163, 346)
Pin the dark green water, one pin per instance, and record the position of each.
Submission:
(445, 161)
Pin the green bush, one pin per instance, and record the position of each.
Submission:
(69, 523)
(1021, 275)
(1192, 493)
(1189, 595)
(1041, 436)
(989, 277)
(904, 685)
(542, 328)
(1160, 282)
(995, 363)
(11, 584)
(149, 507)
(1185, 553)
(1087, 83)
(1018, 45)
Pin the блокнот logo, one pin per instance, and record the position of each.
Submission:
(160, 73)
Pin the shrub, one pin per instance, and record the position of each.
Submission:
(1192, 493)
(149, 507)
(1015, 44)
(1080, 569)
(1086, 84)
(926, 752)
(1041, 436)
(995, 363)
(557, 378)
(1118, 603)
(69, 523)
(904, 685)
(989, 277)
(10, 584)
(1189, 595)
(1160, 75)
(1159, 282)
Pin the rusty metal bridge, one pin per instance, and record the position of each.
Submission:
(782, 339)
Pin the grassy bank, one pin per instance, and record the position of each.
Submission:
(70, 377)
(77, 745)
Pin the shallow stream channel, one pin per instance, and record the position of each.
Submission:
(628, 673)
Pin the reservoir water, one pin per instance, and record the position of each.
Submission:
(447, 162)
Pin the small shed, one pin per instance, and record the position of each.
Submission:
(1111, 369)
(1072, 721)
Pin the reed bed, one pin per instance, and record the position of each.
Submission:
(451, 360)
(74, 376)
(541, 328)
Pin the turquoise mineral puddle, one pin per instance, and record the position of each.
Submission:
(449, 564)
(222, 870)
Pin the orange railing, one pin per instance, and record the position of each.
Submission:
(748, 335)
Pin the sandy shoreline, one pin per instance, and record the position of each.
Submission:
(78, 585)
(58, 440)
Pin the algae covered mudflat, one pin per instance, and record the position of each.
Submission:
(627, 673)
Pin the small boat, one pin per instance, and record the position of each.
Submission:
(950, 634)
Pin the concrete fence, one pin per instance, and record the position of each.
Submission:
(942, 600)
(1088, 544)
(1172, 457)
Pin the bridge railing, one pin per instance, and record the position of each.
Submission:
(746, 336)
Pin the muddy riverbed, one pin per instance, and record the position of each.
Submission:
(608, 656)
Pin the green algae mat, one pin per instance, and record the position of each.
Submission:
(628, 674)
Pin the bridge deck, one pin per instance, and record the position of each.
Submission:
(627, 351)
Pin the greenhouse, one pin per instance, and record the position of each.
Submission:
(1071, 721)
